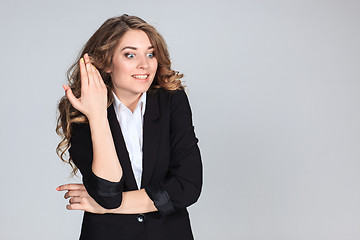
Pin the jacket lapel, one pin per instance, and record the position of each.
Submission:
(123, 155)
(151, 137)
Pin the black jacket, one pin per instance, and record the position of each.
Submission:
(172, 173)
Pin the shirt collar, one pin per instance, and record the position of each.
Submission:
(141, 103)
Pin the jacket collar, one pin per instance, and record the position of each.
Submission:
(151, 137)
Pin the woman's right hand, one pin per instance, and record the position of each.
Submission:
(93, 100)
(80, 199)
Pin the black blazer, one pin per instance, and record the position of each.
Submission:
(172, 173)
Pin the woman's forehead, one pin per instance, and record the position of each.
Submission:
(137, 39)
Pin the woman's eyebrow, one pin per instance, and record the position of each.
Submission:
(134, 48)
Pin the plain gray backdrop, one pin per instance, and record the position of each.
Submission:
(274, 88)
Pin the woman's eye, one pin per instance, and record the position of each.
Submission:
(150, 55)
(129, 55)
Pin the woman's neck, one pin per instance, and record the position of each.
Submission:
(129, 100)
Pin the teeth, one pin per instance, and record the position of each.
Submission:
(140, 76)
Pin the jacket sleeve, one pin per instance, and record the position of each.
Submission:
(183, 185)
(105, 193)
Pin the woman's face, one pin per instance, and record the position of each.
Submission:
(133, 65)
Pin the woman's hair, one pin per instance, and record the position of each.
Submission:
(101, 47)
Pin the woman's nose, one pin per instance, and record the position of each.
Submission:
(143, 63)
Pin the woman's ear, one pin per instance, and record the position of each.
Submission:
(108, 70)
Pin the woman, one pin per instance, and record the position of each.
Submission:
(126, 122)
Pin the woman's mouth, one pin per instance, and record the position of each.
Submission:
(141, 77)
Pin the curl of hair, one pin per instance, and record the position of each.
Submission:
(101, 47)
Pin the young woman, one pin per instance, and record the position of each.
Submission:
(126, 122)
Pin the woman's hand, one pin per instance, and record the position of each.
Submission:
(80, 199)
(93, 100)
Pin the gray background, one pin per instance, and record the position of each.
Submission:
(274, 88)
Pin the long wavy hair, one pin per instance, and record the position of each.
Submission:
(100, 48)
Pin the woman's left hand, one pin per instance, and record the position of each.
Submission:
(80, 199)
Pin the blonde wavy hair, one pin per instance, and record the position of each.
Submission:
(100, 48)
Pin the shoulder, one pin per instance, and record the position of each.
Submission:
(171, 97)
(177, 103)
(168, 103)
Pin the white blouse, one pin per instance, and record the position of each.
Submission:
(131, 124)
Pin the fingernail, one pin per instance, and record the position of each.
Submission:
(82, 60)
(86, 55)
(58, 189)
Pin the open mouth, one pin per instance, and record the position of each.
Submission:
(140, 76)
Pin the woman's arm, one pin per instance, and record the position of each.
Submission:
(133, 202)
(102, 179)
(183, 185)
(93, 103)
(105, 163)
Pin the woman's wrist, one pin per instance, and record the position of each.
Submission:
(98, 120)
(97, 117)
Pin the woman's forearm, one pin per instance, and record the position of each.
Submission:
(105, 164)
(134, 202)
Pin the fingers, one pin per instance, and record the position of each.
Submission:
(79, 198)
(71, 186)
(75, 206)
(78, 203)
(73, 100)
(75, 193)
(98, 78)
(83, 75)
(93, 75)
(89, 74)
(75, 200)
(90, 71)
(93, 96)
